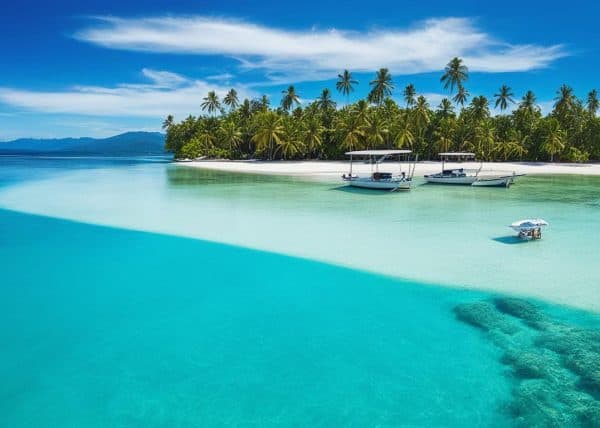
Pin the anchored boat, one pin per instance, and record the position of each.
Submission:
(381, 180)
(468, 177)
(454, 175)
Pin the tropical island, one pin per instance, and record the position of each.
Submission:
(253, 129)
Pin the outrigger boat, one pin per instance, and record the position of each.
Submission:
(377, 179)
(529, 229)
(454, 175)
(468, 177)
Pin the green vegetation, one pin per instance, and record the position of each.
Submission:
(320, 130)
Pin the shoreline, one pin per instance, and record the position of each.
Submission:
(334, 169)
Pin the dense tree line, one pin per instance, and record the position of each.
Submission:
(322, 130)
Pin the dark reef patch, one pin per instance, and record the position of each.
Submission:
(532, 364)
(526, 311)
(485, 316)
(555, 366)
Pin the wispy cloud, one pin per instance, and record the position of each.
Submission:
(314, 54)
(224, 77)
(164, 79)
(166, 93)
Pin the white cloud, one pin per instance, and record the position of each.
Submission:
(435, 99)
(168, 93)
(224, 77)
(315, 54)
(164, 78)
(546, 106)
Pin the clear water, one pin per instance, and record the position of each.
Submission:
(104, 326)
(454, 236)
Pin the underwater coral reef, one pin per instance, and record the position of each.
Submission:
(555, 365)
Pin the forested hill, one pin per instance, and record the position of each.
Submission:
(127, 144)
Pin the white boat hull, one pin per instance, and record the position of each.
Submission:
(465, 181)
(494, 182)
(365, 183)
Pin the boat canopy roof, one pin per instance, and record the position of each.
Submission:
(378, 152)
(529, 223)
(457, 155)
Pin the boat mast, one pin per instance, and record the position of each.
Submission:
(400, 163)
(350, 166)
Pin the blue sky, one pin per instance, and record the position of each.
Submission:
(83, 68)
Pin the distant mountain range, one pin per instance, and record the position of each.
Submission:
(127, 144)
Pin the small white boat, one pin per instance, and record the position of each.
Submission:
(459, 176)
(468, 177)
(529, 229)
(380, 180)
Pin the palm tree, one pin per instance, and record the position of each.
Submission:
(444, 134)
(351, 130)
(206, 137)
(264, 102)
(290, 97)
(462, 95)
(402, 133)
(168, 122)
(515, 150)
(421, 114)
(313, 133)
(345, 84)
(528, 102)
(324, 101)
(454, 74)
(480, 108)
(245, 109)
(230, 134)
(504, 97)
(361, 109)
(421, 117)
(554, 138)
(445, 108)
(592, 102)
(290, 144)
(375, 130)
(381, 87)
(512, 147)
(565, 100)
(211, 102)
(409, 95)
(484, 138)
(231, 99)
(268, 132)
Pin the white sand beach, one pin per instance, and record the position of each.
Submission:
(330, 169)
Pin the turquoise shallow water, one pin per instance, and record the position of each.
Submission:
(102, 326)
(453, 236)
(105, 327)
